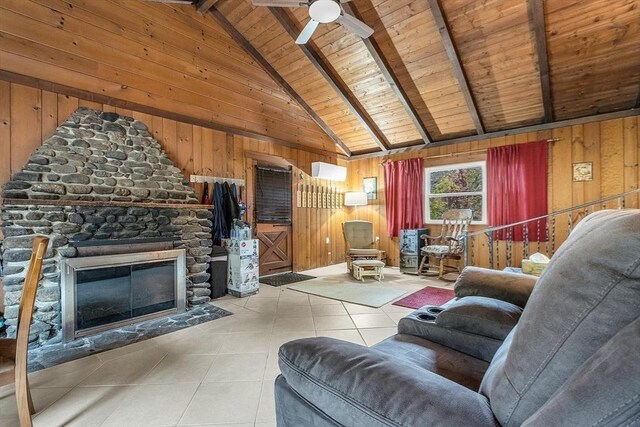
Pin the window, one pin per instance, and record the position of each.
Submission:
(461, 186)
(273, 195)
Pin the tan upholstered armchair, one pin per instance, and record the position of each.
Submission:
(450, 244)
(360, 242)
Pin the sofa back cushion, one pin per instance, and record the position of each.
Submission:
(587, 294)
(610, 380)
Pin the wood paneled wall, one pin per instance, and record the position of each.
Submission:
(613, 146)
(28, 115)
(158, 55)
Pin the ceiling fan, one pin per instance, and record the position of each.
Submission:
(322, 12)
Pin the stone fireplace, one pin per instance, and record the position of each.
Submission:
(100, 177)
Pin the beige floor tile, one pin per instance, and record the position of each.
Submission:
(152, 405)
(360, 309)
(238, 302)
(294, 297)
(237, 367)
(375, 335)
(245, 342)
(326, 323)
(82, 407)
(316, 300)
(128, 369)
(328, 310)
(272, 369)
(67, 374)
(351, 335)
(230, 403)
(291, 324)
(218, 325)
(267, 406)
(180, 368)
(255, 322)
(267, 291)
(279, 338)
(396, 316)
(204, 343)
(42, 398)
(132, 348)
(293, 310)
(262, 305)
(380, 320)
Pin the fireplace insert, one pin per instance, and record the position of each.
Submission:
(107, 292)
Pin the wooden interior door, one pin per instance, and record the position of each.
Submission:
(273, 218)
(276, 255)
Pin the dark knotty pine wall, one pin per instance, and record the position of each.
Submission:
(28, 115)
(613, 146)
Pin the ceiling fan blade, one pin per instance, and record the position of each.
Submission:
(279, 3)
(355, 25)
(307, 32)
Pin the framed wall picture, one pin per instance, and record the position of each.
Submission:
(370, 186)
(583, 171)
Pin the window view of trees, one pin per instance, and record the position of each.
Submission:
(460, 188)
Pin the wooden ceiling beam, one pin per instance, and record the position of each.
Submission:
(536, 22)
(253, 52)
(391, 78)
(203, 6)
(312, 52)
(454, 58)
(497, 134)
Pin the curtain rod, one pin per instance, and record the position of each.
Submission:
(482, 150)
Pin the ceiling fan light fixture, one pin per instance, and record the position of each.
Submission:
(324, 11)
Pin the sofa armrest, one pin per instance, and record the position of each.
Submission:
(360, 386)
(510, 287)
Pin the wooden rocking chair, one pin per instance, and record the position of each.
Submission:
(13, 351)
(450, 244)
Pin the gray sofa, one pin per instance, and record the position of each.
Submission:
(572, 358)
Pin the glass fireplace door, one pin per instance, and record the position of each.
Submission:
(104, 292)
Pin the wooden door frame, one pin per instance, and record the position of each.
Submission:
(253, 159)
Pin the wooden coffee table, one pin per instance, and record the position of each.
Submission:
(368, 267)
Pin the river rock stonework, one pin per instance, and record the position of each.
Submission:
(113, 163)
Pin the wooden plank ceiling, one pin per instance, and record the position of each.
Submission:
(437, 70)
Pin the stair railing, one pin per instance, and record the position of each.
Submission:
(504, 250)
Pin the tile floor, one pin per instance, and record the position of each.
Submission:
(218, 373)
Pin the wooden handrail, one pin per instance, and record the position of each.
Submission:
(556, 213)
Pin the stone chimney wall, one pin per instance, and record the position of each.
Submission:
(98, 176)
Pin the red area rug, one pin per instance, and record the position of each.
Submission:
(426, 296)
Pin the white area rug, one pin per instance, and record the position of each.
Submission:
(371, 293)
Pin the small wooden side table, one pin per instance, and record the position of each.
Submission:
(368, 267)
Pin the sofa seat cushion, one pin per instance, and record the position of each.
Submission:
(436, 250)
(363, 252)
(481, 316)
(360, 386)
(444, 361)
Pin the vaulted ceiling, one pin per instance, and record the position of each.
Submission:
(438, 70)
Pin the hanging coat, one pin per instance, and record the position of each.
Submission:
(219, 229)
(231, 208)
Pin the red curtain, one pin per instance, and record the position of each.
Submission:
(517, 188)
(403, 195)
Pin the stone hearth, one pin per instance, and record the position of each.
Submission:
(98, 176)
